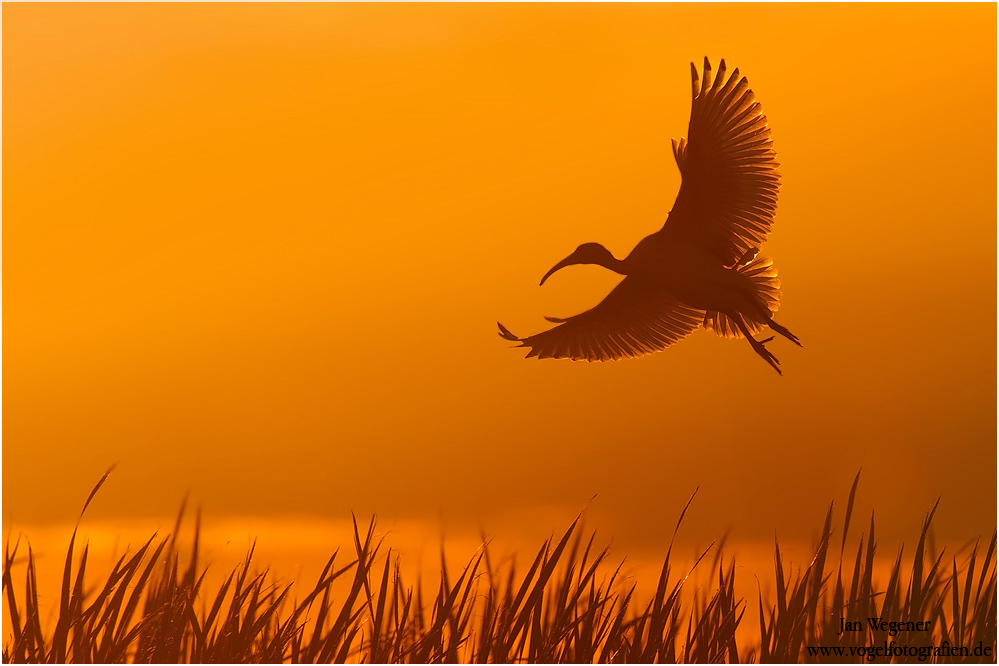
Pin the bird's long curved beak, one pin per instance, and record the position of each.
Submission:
(562, 264)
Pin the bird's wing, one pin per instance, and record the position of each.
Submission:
(635, 318)
(728, 194)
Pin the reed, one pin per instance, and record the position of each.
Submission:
(570, 605)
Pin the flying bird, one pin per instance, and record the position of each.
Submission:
(703, 266)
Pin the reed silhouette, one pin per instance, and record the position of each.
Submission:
(703, 266)
(570, 606)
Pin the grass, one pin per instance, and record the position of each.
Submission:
(570, 605)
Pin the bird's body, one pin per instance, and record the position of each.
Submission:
(702, 266)
(692, 275)
(687, 271)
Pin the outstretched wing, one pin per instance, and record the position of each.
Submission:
(728, 195)
(635, 318)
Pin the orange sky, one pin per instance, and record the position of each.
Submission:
(257, 252)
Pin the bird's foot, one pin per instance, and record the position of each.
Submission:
(786, 333)
(760, 347)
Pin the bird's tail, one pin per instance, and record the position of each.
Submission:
(762, 291)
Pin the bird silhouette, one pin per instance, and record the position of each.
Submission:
(703, 266)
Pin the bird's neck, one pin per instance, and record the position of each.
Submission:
(612, 263)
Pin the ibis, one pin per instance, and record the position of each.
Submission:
(703, 267)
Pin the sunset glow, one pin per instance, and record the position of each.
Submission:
(255, 254)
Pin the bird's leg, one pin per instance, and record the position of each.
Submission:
(759, 346)
(765, 313)
(748, 257)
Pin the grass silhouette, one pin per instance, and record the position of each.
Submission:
(569, 606)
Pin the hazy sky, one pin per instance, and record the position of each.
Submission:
(256, 253)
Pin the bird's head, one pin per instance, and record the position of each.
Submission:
(587, 253)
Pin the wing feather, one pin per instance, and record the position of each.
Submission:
(728, 197)
(636, 318)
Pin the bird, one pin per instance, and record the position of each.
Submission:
(703, 267)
